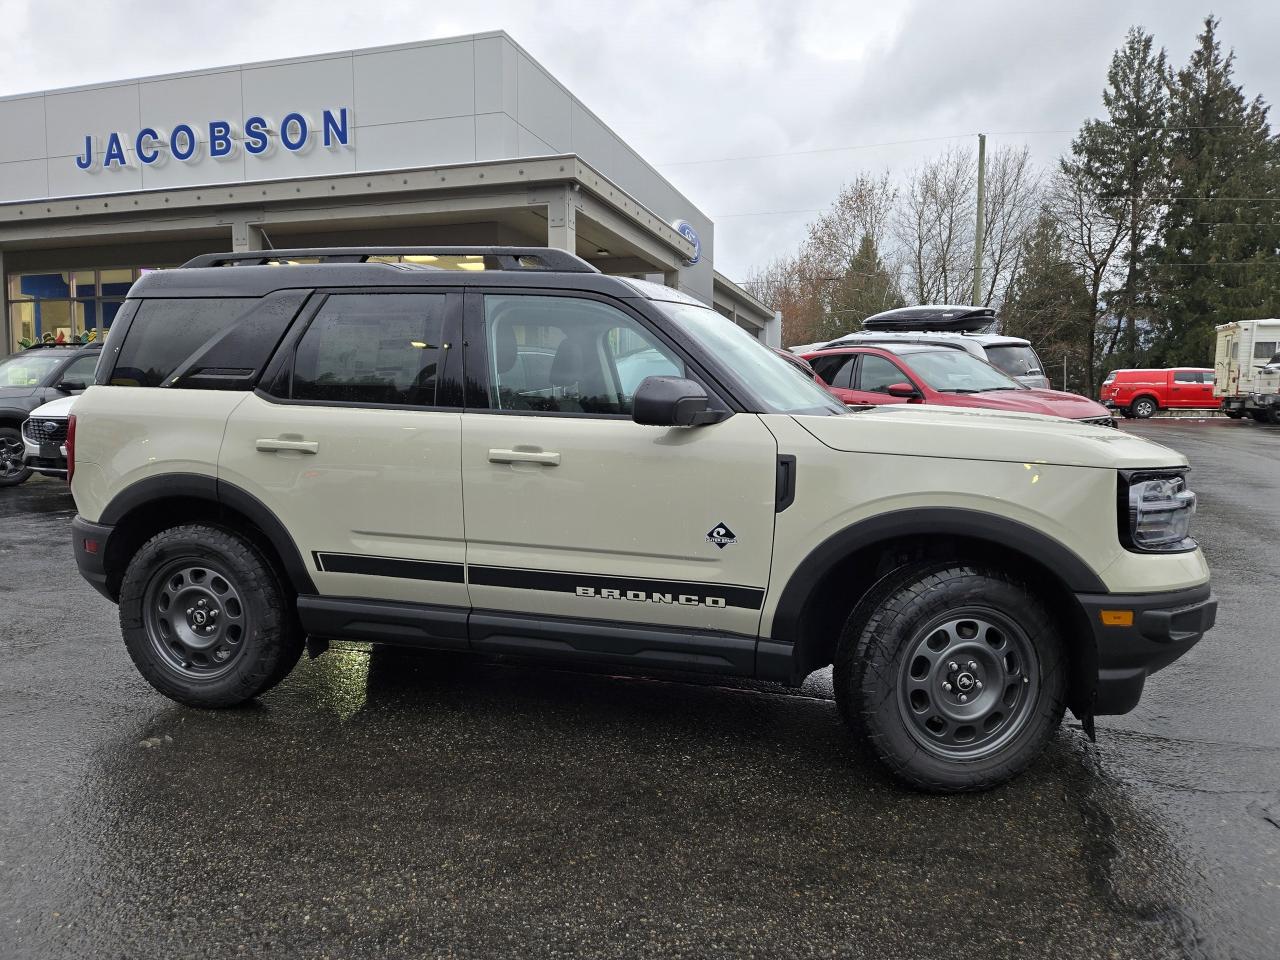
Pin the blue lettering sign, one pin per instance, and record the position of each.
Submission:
(335, 128)
(220, 143)
(256, 138)
(294, 144)
(183, 142)
(144, 146)
(115, 153)
(86, 162)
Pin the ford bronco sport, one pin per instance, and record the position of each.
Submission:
(527, 457)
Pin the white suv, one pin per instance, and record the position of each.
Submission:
(361, 445)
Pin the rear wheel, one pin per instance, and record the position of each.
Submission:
(953, 674)
(13, 469)
(1143, 407)
(1259, 416)
(205, 618)
(1233, 414)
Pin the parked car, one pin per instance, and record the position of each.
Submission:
(927, 373)
(276, 456)
(957, 327)
(44, 434)
(1141, 392)
(1247, 367)
(31, 378)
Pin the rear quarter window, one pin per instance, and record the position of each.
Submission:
(220, 344)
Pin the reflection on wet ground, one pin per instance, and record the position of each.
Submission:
(389, 804)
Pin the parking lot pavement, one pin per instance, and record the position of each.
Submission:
(391, 805)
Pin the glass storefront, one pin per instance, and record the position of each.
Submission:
(63, 305)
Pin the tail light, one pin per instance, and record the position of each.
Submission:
(71, 447)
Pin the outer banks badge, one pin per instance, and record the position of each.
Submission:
(721, 536)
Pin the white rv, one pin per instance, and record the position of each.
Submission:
(1246, 369)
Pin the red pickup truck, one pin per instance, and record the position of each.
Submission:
(1140, 393)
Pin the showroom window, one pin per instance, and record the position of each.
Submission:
(66, 304)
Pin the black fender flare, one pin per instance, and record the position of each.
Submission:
(213, 490)
(999, 531)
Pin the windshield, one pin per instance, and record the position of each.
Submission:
(780, 385)
(26, 370)
(954, 371)
(1016, 361)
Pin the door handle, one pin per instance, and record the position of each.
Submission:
(269, 445)
(546, 458)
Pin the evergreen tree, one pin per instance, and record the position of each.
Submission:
(1215, 259)
(1125, 156)
(864, 287)
(1049, 304)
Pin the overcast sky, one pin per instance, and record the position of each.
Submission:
(701, 80)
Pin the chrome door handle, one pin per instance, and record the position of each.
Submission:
(547, 459)
(268, 445)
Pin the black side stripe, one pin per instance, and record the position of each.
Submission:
(396, 567)
(628, 588)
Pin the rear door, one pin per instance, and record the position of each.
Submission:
(836, 371)
(575, 512)
(354, 443)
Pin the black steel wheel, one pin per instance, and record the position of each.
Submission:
(206, 619)
(952, 675)
(195, 618)
(967, 683)
(13, 469)
(1143, 407)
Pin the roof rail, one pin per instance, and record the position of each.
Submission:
(503, 258)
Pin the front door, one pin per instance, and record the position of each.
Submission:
(575, 511)
(354, 446)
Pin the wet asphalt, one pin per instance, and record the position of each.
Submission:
(383, 804)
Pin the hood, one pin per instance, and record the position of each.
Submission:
(60, 408)
(970, 433)
(16, 393)
(1053, 403)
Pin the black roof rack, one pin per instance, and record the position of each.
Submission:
(930, 318)
(497, 258)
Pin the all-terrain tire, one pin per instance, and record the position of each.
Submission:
(879, 650)
(214, 575)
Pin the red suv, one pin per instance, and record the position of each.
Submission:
(927, 373)
(1140, 393)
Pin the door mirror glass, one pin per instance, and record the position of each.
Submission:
(902, 390)
(672, 402)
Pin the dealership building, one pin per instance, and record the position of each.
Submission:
(462, 141)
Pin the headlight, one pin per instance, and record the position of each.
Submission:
(1155, 511)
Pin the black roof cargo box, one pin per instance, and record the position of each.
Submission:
(931, 318)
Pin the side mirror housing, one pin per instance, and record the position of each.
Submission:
(672, 402)
(71, 386)
(904, 390)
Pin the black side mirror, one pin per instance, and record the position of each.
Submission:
(672, 402)
(71, 386)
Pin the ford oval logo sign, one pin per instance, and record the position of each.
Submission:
(685, 229)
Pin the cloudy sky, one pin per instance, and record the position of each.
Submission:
(704, 90)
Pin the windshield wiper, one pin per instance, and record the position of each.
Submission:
(989, 389)
(958, 390)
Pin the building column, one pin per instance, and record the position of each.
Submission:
(5, 320)
(245, 236)
(671, 278)
(562, 230)
(773, 331)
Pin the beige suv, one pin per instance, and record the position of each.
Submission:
(526, 457)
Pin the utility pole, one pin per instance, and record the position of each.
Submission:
(982, 215)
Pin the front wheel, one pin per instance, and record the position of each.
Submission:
(1143, 408)
(953, 675)
(205, 618)
(13, 470)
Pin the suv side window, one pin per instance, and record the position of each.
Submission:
(836, 371)
(372, 348)
(877, 374)
(80, 370)
(165, 334)
(1188, 376)
(568, 355)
